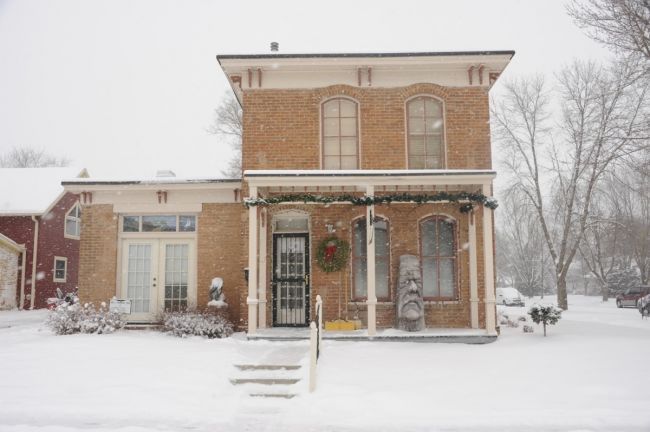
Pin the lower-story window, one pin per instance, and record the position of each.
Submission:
(438, 257)
(60, 269)
(382, 259)
(176, 276)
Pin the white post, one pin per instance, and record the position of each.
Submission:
(488, 254)
(319, 308)
(312, 356)
(370, 257)
(262, 270)
(473, 271)
(252, 264)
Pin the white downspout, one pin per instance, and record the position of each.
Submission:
(34, 261)
(22, 278)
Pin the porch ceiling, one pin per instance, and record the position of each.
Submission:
(359, 180)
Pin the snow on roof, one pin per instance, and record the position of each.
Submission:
(363, 173)
(31, 191)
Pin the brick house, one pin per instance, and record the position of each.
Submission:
(387, 153)
(44, 221)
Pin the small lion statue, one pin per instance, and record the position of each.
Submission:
(217, 297)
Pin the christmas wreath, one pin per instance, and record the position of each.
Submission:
(332, 254)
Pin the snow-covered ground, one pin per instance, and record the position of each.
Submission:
(589, 374)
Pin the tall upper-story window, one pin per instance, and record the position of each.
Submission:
(425, 133)
(340, 134)
(73, 222)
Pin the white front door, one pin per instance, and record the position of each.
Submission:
(157, 275)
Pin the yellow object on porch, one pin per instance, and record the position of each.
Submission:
(342, 325)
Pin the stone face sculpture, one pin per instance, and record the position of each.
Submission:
(217, 297)
(410, 304)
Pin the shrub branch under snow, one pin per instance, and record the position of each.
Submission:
(76, 318)
(192, 323)
(545, 315)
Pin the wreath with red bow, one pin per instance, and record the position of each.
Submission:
(332, 254)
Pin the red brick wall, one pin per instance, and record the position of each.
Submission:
(404, 239)
(282, 127)
(51, 243)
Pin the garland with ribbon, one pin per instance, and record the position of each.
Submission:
(365, 200)
(332, 254)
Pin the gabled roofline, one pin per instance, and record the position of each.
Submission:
(12, 244)
(220, 57)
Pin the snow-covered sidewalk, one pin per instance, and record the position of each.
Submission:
(588, 374)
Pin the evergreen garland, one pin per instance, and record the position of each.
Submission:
(332, 262)
(365, 200)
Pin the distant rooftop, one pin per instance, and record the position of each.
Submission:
(31, 191)
(366, 55)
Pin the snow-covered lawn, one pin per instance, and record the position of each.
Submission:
(590, 373)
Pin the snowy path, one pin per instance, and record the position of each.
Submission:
(587, 375)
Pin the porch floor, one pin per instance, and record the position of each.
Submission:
(429, 335)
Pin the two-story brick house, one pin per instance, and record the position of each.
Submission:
(387, 153)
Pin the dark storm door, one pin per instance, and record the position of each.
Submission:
(290, 280)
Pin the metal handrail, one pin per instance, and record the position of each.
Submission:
(315, 340)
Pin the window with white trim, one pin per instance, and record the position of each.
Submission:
(158, 223)
(340, 134)
(425, 125)
(438, 254)
(60, 270)
(73, 222)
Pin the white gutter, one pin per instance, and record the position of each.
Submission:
(22, 278)
(34, 261)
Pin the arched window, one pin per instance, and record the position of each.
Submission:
(425, 133)
(340, 134)
(382, 260)
(438, 257)
(73, 222)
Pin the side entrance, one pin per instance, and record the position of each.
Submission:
(157, 275)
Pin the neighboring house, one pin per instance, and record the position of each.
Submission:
(318, 128)
(37, 214)
(12, 257)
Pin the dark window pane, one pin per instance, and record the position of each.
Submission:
(131, 223)
(159, 223)
(187, 223)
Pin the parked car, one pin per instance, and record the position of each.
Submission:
(630, 297)
(509, 297)
(644, 305)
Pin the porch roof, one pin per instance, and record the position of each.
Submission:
(364, 178)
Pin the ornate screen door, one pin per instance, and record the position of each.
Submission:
(290, 280)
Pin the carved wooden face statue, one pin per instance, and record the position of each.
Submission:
(410, 305)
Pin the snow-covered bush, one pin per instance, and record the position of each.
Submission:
(193, 323)
(522, 318)
(513, 324)
(76, 318)
(528, 329)
(545, 314)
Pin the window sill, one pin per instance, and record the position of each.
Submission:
(442, 302)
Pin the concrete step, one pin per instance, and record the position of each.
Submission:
(252, 367)
(274, 395)
(264, 381)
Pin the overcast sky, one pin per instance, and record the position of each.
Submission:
(127, 87)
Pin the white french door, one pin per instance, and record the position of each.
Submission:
(157, 275)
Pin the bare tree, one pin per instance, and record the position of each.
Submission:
(600, 120)
(622, 25)
(28, 157)
(228, 124)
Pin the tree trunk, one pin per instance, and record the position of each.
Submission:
(544, 322)
(604, 290)
(562, 302)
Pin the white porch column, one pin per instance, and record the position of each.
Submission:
(262, 269)
(473, 271)
(252, 264)
(488, 253)
(370, 257)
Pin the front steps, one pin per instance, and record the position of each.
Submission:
(268, 381)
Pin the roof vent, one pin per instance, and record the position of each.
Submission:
(275, 47)
(165, 173)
